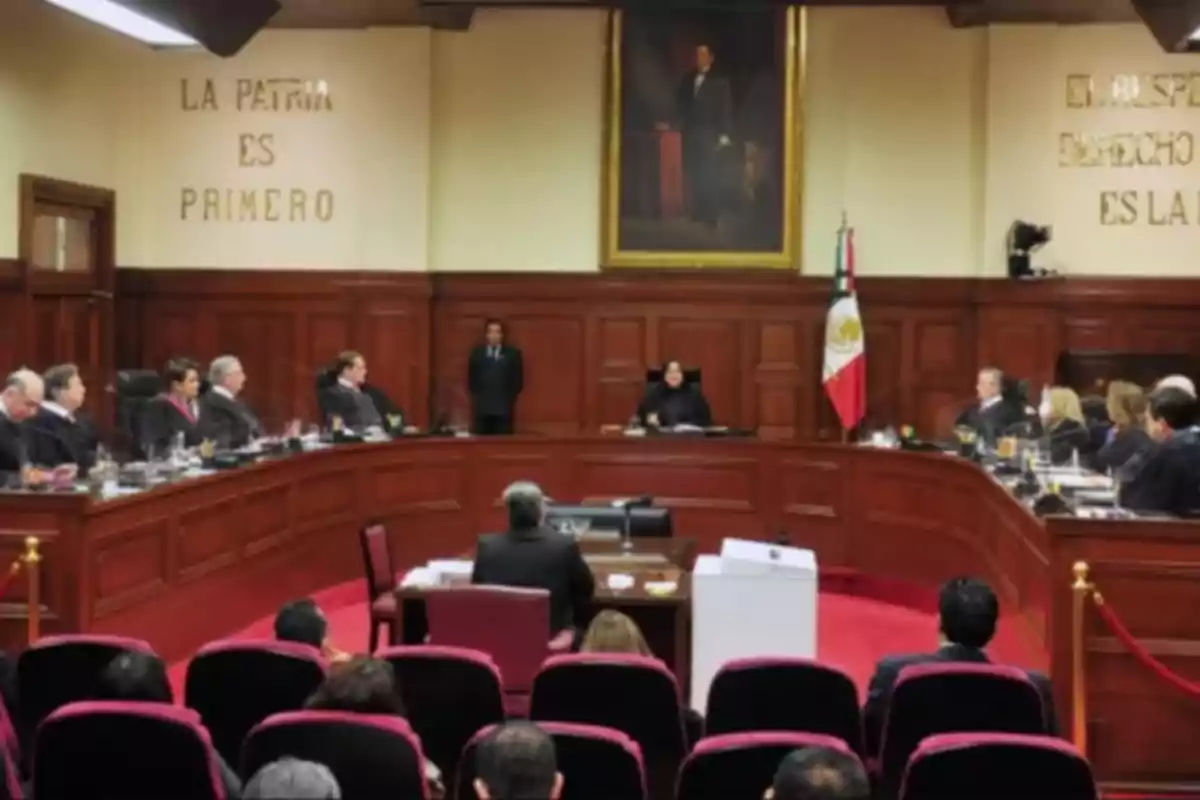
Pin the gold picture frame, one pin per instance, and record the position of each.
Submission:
(618, 253)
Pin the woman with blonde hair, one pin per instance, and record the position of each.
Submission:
(613, 632)
(1063, 429)
(1126, 403)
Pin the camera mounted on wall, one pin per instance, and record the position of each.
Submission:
(1023, 238)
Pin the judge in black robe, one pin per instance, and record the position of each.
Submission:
(673, 401)
(345, 399)
(1166, 479)
(20, 399)
(176, 413)
(225, 420)
(58, 434)
(994, 415)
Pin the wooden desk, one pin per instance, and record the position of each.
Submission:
(188, 562)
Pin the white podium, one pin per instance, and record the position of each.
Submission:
(754, 599)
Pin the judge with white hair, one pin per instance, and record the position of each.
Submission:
(225, 420)
(20, 399)
(1177, 382)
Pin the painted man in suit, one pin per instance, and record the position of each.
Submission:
(495, 377)
(706, 122)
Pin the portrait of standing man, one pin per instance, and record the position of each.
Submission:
(495, 377)
(706, 122)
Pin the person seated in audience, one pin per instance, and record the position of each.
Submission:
(174, 416)
(1182, 382)
(516, 761)
(993, 416)
(967, 615)
(819, 773)
(345, 399)
(1126, 404)
(303, 621)
(293, 779)
(531, 554)
(1167, 478)
(20, 399)
(673, 401)
(142, 678)
(367, 685)
(57, 435)
(224, 419)
(1064, 433)
(613, 632)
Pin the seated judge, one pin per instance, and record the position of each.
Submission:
(1127, 437)
(967, 615)
(1167, 478)
(224, 419)
(533, 555)
(1064, 432)
(993, 416)
(345, 399)
(673, 401)
(57, 435)
(21, 398)
(176, 412)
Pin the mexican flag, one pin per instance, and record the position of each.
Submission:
(845, 373)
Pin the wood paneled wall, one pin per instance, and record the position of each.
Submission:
(588, 338)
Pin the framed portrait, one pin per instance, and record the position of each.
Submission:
(704, 138)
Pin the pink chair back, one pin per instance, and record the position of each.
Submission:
(997, 765)
(377, 560)
(742, 764)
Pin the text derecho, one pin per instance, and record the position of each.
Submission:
(257, 150)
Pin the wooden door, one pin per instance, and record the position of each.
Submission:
(67, 238)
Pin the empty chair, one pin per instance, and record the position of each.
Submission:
(235, 685)
(106, 750)
(381, 582)
(953, 697)
(596, 763)
(449, 693)
(636, 695)
(783, 694)
(57, 670)
(371, 755)
(997, 766)
(742, 765)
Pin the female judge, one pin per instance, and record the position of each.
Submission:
(1064, 431)
(673, 401)
(1126, 403)
(176, 411)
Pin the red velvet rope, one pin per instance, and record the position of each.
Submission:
(1138, 651)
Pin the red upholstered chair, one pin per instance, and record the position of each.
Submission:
(370, 755)
(951, 698)
(636, 695)
(596, 763)
(997, 766)
(235, 685)
(775, 693)
(449, 693)
(742, 764)
(105, 750)
(507, 623)
(381, 581)
(56, 670)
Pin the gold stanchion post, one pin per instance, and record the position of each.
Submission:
(1080, 589)
(32, 558)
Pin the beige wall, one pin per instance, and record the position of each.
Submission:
(481, 150)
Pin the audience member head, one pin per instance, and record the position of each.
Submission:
(292, 779)
(613, 632)
(526, 505)
(1177, 382)
(493, 332)
(1126, 404)
(363, 685)
(64, 386)
(135, 676)
(819, 773)
(516, 761)
(23, 393)
(967, 612)
(989, 383)
(1062, 404)
(183, 378)
(1169, 409)
(673, 374)
(302, 621)
(351, 367)
(227, 372)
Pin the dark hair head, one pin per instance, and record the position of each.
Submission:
(820, 773)
(363, 685)
(515, 761)
(58, 378)
(490, 321)
(292, 779)
(301, 621)
(346, 360)
(177, 369)
(1168, 404)
(968, 610)
(136, 676)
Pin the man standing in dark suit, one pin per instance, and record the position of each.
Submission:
(967, 615)
(706, 122)
(534, 556)
(345, 399)
(20, 400)
(57, 435)
(495, 377)
(224, 419)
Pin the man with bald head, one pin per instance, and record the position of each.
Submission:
(20, 399)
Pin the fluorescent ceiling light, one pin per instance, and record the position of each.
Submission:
(123, 20)
(1195, 37)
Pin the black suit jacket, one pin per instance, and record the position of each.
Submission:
(53, 440)
(1065, 438)
(1166, 479)
(227, 422)
(683, 406)
(1123, 446)
(992, 422)
(705, 114)
(162, 422)
(493, 386)
(355, 407)
(13, 452)
(538, 558)
(879, 693)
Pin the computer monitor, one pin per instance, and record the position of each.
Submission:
(649, 522)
